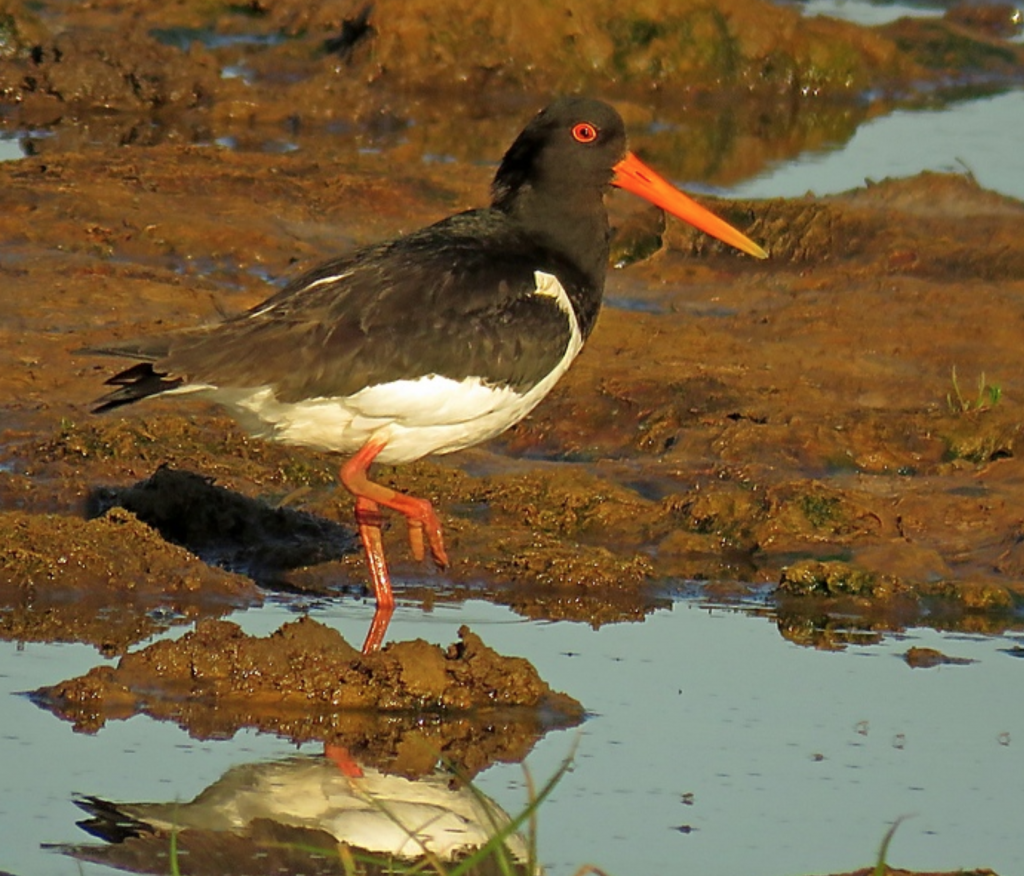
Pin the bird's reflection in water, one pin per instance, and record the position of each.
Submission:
(307, 815)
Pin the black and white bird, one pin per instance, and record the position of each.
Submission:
(367, 809)
(431, 342)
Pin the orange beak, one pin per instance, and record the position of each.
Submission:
(634, 176)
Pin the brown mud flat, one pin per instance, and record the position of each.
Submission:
(744, 82)
(745, 420)
(305, 682)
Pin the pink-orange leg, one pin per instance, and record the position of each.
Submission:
(369, 520)
(378, 629)
(419, 515)
(339, 755)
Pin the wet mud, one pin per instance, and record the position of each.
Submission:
(835, 433)
(401, 708)
(111, 581)
(849, 403)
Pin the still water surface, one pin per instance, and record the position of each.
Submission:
(714, 746)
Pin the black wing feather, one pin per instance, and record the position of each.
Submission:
(455, 299)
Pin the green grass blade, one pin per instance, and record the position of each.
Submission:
(881, 868)
(497, 841)
(174, 852)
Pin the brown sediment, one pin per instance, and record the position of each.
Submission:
(743, 82)
(850, 401)
(752, 417)
(111, 581)
(927, 658)
(401, 707)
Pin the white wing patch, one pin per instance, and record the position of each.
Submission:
(325, 280)
(431, 414)
(321, 282)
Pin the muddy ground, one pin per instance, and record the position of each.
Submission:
(835, 431)
(400, 710)
(794, 423)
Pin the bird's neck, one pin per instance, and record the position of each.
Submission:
(574, 226)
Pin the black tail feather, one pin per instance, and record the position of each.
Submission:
(138, 382)
(108, 822)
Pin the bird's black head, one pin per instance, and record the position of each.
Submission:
(572, 146)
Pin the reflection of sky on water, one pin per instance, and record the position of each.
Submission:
(797, 760)
(10, 149)
(983, 136)
(868, 14)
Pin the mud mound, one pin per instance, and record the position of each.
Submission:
(228, 529)
(110, 581)
(305, 681)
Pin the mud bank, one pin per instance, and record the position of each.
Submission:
(110, 582)
(733, 84)
(400, 708)
(851, 401)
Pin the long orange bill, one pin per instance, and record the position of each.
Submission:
(634, 176)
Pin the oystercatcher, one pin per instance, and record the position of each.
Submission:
(411, 819)
(432, 342)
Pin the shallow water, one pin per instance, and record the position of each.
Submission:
(979, 136)
(714, 745)
(976, 135)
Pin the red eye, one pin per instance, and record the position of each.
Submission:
(584, 132)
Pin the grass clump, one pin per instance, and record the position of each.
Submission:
(988, 396)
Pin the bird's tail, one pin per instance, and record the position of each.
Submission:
(140, 381)
(108, 821)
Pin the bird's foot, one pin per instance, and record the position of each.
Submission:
(424, 525)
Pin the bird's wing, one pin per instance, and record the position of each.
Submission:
(446, 301)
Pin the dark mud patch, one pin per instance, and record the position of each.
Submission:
(227, 529)
(305, 682)
(928, 658)
(111, 581)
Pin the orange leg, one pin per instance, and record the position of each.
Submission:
(419, 513)
(378, 628)
(339, 755)
(420, 516)
(368, 519)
